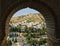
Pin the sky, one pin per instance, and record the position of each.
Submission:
(24, 12)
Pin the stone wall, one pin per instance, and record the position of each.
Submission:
(49, 8)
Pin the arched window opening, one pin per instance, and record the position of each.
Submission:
(27, 27)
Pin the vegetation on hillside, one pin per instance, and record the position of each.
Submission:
(34, 36)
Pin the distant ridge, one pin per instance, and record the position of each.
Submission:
(31, 17)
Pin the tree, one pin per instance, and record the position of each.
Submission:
(26, 29)
(11, 29)
(9, 43)
(19, 27)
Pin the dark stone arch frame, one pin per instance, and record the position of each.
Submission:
(39, 7)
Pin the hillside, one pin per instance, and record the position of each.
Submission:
(29, 17)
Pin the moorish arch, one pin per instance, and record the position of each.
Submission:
(40, 6)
